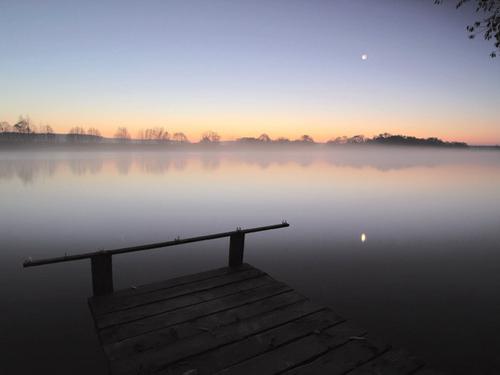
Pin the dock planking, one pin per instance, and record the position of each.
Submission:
(234, 320)
(231, 320)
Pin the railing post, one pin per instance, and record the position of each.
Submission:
(236, 246)
(102, 274)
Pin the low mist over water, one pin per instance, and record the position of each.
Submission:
(404, 241)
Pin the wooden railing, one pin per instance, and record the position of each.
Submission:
(102, 266)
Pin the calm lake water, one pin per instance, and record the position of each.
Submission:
(427, 278)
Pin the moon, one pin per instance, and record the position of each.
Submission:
(364, 56)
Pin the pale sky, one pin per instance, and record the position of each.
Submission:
(243, 68)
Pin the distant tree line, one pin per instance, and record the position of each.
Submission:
(265, 139)
(78, 134)
(160, 135)
(25, 131)
(381, 139)
(393, 140)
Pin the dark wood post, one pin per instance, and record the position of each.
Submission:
(236, 246)
(102, 274)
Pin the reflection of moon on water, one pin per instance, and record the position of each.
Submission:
(363, 237)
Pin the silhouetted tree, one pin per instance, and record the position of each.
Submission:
(76, 134)
(385, 135)
(160, 134)
(122, 134)
(154, 134)
(5, 127)
(282, 140)
(93, 135)
(94, 132)
(46, 133)
(46, 129)
(23, 126)
(77, 130)
(250, 140)
(404, 140)
(306, 139)
(148, 134)
(264, 138)
(180, 137)
(338, 140)
(357, 139)
(210, 137)
(488, 25)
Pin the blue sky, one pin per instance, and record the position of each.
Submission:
(245, 67)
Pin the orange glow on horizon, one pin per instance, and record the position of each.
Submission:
(321, 129)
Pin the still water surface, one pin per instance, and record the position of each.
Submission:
(425, 278)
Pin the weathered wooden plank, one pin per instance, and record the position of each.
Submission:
(148, 293)
(121, 332)
(167, 336)
(341, 359)
(393, 362)
(169, 304)
(229, 355)
(176, 291)
(239, 321)
(297, 352)
(153, 361)
(427, 371)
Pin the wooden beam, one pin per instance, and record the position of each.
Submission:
(68, 258)
(102, 274)
(236, 248)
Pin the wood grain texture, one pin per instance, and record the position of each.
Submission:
(235, 321)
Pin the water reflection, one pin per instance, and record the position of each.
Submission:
(156, 165)
(81, 167)
(30, 166)
(123, 164)
(27, 170)
(432, 217)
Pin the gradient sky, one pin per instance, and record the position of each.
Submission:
(246, 67)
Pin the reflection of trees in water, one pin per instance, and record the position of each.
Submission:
(377, 157)
(265, 160)
(123, 164)
(161, 163)
(180, 163)
(386, 160)
(81, 167)
(382, 159)
(154, 165)
(264, 164)
(27, 170)
(210, 162)
(95, 165)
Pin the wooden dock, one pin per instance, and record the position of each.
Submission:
(231, 320)
(234, 321)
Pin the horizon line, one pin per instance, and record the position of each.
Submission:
(212, 138)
